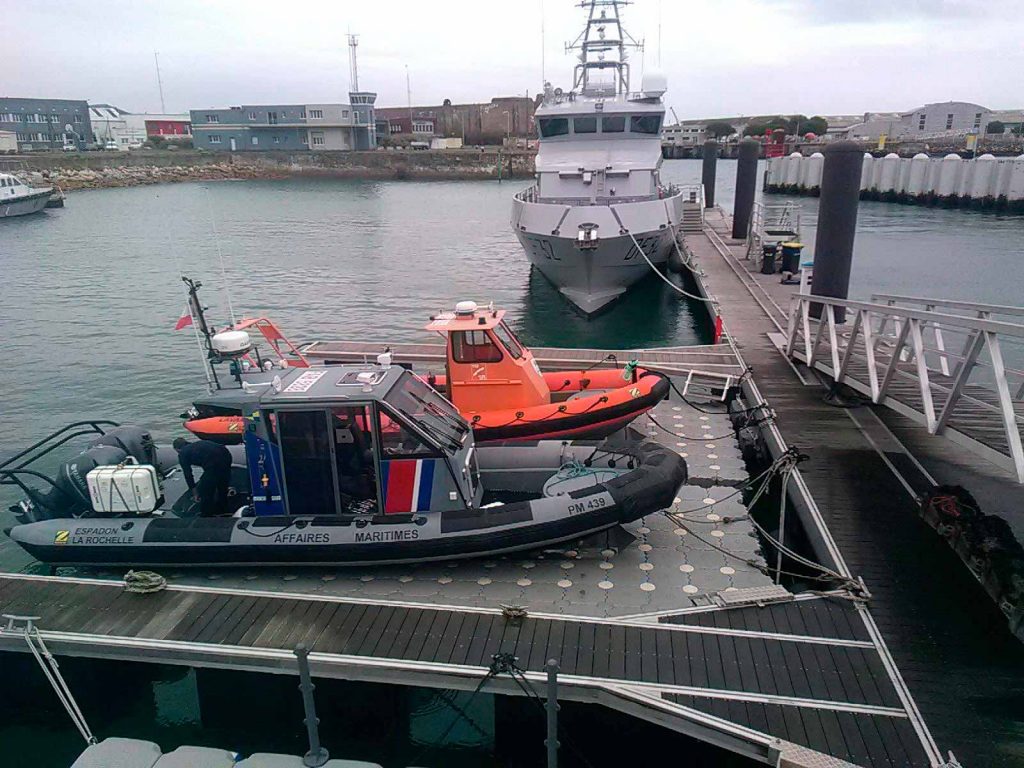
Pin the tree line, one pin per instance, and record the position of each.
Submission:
(793, 125)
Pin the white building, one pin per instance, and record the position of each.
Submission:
(112, 125)
(947, 118)
(685, 134)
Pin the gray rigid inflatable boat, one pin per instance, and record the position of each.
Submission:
(325, 485)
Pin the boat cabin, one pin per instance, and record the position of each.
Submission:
(356, 440)
(12, 186)
(599, 152)
(487, 367)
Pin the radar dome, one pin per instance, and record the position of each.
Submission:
(654, 82)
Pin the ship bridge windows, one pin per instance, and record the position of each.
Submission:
(553, 126)
(649, 124)
(613, 124)
(584, 125)
(470, 347)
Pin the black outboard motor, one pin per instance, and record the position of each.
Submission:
(69, 497)
(134, 441)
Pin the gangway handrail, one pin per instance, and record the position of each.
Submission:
(883, 367)
(44, 445)
(995, 309)
(959, 321)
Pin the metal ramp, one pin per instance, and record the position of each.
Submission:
(941, 363)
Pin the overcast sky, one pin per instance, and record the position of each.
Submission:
(723, 57)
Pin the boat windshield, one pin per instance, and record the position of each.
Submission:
(434, 415)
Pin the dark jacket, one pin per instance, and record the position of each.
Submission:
(205, 454)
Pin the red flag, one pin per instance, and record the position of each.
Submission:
(184, 321)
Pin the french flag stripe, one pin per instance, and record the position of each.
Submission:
(424, 484)
(400, 486)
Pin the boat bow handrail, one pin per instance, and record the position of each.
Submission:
(50, 443)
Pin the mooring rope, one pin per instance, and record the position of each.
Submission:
(656, 271)
(144, 582)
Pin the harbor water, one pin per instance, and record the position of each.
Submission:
(90, 295)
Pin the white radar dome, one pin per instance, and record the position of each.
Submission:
(231, 343)
(654, 83)
(465, 308)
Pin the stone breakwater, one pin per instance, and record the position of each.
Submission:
(87, 178)
(115, 169)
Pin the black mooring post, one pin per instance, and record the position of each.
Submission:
(317, 755)
(837, 223)
(552, 709)
(707, 174)
(746, 187)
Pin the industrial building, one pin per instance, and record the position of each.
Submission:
(946, 118)
(289, 127)
(484, 123)
(46, 124)
(128, 130)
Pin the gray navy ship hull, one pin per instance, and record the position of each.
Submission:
(594, 278)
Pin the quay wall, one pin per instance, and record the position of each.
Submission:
(987, 183)
(87, 170)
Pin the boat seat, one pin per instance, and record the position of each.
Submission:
(197, 757)
(270, 760)
(119, 753)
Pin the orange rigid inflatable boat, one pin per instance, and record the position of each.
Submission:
(498, 387)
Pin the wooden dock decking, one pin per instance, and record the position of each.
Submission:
(795, 678)
(925, 606)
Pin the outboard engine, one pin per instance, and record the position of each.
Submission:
(134, 441)
(70, 495)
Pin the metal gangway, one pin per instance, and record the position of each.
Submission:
(773, 223)
(955, 367)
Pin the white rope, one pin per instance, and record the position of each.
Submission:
(659, 274)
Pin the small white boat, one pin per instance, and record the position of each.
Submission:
(18, 198)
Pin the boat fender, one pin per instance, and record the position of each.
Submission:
(629, 371)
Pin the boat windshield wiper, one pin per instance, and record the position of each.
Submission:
(440, 412)
(435, 433)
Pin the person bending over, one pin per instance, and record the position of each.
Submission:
(215, 460)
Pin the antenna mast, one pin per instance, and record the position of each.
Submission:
(408, 96)
(353, 65)
(159, 82)
(602, 45)
(543, 71)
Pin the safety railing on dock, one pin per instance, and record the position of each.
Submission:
(772, 223)
(945, 370)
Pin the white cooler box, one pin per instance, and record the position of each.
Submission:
(125, 488)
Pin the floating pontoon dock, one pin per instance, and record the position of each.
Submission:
(677, 620)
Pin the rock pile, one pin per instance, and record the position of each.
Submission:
(131, 176)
